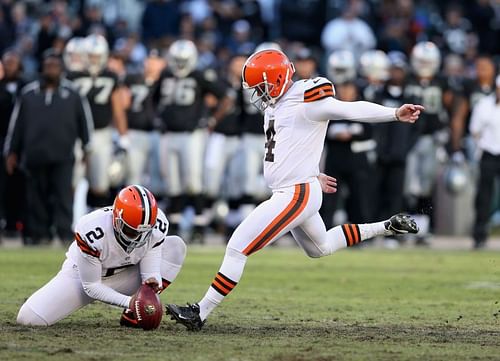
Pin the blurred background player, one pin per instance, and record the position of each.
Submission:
(394, 141)
(347, 148)
(223, 162)
(341, 67)
(101, 87)
(374, 69)
(180, 96)
(426, 87)
(140, 116)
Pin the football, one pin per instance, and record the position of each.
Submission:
(148, 308)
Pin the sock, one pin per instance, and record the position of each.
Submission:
(348, 235)
(224, 282)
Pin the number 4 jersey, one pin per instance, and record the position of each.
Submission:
(296, 126)
(95, 237)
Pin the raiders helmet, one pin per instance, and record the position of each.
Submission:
(182, 58)
(425, 59)
(341, 67)
(97, 52)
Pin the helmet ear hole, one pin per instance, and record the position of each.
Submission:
(278, 80)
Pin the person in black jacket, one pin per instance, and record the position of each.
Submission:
(47, 119)
(11, 187)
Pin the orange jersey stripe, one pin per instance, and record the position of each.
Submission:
(295, 215)
(85, 247)
(313, 91)
(294, 208)
(319, 96)
(320, 91)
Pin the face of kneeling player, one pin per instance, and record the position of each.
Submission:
(134, 216)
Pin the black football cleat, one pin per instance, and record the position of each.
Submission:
(188, 315)
(401, 224)
(128, 319)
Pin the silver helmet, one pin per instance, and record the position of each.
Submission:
(182, 58)
(425, 59)
(75, 55)
(341, 67)
(375, 64)
(97, 52)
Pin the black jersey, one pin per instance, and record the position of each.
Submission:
(230, 124)
(181, 101)
(98, 90)
(394, 139)
(474, 92)
(429, 93)
(140, 114)
(251, 118)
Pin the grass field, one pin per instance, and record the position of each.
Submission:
(355, 305)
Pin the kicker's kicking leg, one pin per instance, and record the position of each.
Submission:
(316, 241)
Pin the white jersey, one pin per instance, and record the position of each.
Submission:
(96, 254)
(296, 127)
(95, 236)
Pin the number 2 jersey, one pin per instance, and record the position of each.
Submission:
(95, 238)
(296, 126)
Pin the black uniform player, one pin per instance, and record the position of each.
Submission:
(348, 147)
(140, 116)
(101, 87)
(433, 93)
(180, 97)
(224, 160)
(394, 141)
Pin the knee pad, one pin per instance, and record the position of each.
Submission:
(28, 317)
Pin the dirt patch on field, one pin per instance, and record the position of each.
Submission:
(367, 333)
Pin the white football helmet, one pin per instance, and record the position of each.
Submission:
(268, 45)
(97, 52)
(75, 55)
(425, 59)
(375, 64)
(341, 67)
(182, 57)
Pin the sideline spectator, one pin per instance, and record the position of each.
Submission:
(348, 33)
(47, 119)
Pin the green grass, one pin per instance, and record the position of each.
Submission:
(355, 305)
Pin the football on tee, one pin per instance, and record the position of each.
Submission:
(147, 308)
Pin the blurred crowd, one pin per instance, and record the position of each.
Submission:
(162, 81)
